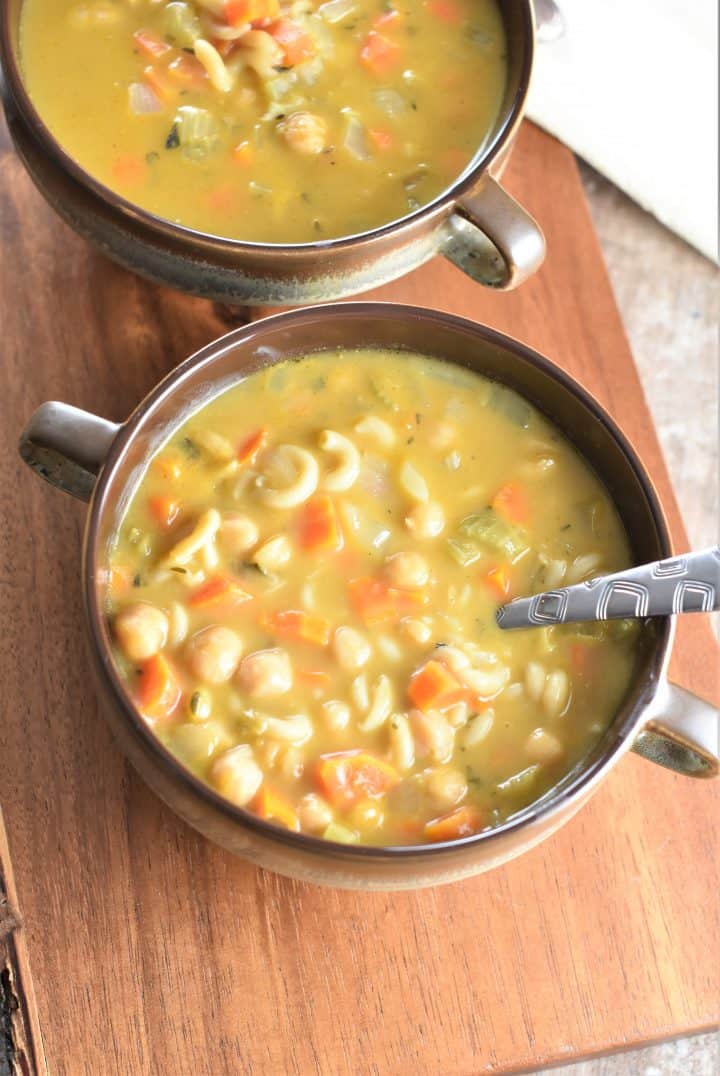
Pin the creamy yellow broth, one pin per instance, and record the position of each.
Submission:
(304, 587)
(315, 121)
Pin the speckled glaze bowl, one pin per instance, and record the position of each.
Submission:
(474, 223)
(102, 462)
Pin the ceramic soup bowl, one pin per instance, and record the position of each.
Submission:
(102, 462)
(474, 223)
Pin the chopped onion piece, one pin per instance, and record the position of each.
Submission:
(336, 10)
(373, 477)
(391, 102)
(143, 100)
(197, 131)
(310, 71)
(355, 140)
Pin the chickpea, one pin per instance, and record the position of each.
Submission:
(426, 520)
(351, 649)
(141, 631)
(304, 132)
(446, 787)
(314, 813)
(542, 746)
(407, 570)
(213, 654)
(266, 673)
(238, 534)
(367, 815)
(273, 554)
(236, 775)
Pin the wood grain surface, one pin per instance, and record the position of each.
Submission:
(21, 1052)
(157, 954)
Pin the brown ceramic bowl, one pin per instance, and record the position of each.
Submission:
(102, 462)
(474, 222)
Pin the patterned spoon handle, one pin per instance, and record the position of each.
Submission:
(686, 584)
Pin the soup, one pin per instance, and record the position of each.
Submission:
(303, 597)
(267, 121)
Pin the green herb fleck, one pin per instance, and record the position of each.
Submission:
(190, 448)
(173, 139)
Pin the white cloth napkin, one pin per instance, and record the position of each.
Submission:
(632, 87)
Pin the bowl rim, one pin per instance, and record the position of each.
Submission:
(555, 800)
(445, 200)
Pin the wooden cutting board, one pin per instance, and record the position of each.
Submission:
(157, 954)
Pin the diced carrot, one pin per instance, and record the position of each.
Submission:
(159, 82)
(274, 808)
(168, 467)
(225, 48)
(462, 822)
(319, 527)
(434, 686)
(158, 691)
(386, 18)
(445, 10)
(498, 581)
(119, 579)
(379, 54)
(129, 169)
(382, 139)
(187, 71)
(372, 601)
(152, 45)
(219, 590)
(296, 44)
(237, 12)
(349, 776)
(243, 153)
(164, 510)
(315, 679)
(511, 503)
(249, 448)
(296, 624)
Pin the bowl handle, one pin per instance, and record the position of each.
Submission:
(492, 238)
(682, 734)
(67, 446)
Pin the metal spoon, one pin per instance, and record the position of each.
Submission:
(689, 583)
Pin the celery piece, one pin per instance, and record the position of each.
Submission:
(520, 782)
(341, 834)
(197, 131)
(181, 25)
(465, 553)
(491, 530)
